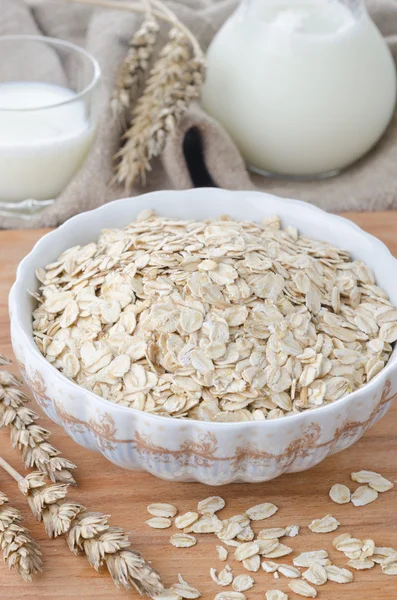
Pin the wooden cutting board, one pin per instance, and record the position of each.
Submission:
(300, 497)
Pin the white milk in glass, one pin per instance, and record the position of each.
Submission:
(42, 141)
(305, 87)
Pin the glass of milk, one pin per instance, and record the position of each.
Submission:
(305, 87)
(49, 92)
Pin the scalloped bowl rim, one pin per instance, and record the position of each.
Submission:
(296, 418)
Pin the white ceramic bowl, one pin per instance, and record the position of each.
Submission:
(184, 450)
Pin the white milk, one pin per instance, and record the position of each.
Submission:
(40, 150)
(303, 86)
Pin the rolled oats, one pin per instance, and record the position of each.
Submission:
(252, 563)
(210, 505)
(242, 583)
(306, 559)
(380, 484)
(216, 320)
(210, 524)
(292, 530)
(229, 595)
(224, 578)
(360, 564)
(324, 525)
(159, 523)
(289, 571)
(302, 588)
(269, 566)
(364, 476)
(183, 540)
(279, 551)
(261, 511)
(246, 551)
(364, 495)
(162, 510)
(316, 574)
(338, 574)
(272, 533)
(222, 553)
(186, 520)
(340, 493)
(276, 595)
(185, 590)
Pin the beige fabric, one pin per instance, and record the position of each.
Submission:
(370, 185)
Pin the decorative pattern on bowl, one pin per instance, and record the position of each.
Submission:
(186, 450)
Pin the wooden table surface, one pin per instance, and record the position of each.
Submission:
(300, 497)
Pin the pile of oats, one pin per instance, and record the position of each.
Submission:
(217, 320)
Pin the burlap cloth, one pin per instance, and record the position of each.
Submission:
(206, 155)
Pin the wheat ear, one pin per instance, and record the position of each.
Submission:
(173, 83)
(26, 435)
(134, 66)
(19, 549)
(88, 532)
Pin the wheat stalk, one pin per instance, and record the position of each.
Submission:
(19, 549)
(173, 83)
(134, 66)
(26, 435)
(88, 532)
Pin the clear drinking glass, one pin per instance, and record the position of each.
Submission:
(304, 87)
(49, 94)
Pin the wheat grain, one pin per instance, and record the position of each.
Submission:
(134, 66)
(19, 549)
(173, 83)
(90, 533)
(26, 435)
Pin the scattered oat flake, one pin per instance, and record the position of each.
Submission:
(289, 571)
(224, 578)
(162, 510)
(276, 575)
(363, 476)
(338, 574)
(159, 523)
(364, 495)
(276, 595)
(222, 553)
(380, 484)
(229, 595)
(302, 588)
(246, 551)
(348, 544)
(281, 550)
(390, 569)
(316, 574)
(292, 530)
(271, 533)
(340, 493)
(183, 540)
(242, 583)
(360, 565)
(210, 505)
(185, 590)
(261, 511)
(269, 566)
(306, 559)
(186, 520)
(324, 525)
(266, 546)
(207, 524)
(368, 548)
(252, 563)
